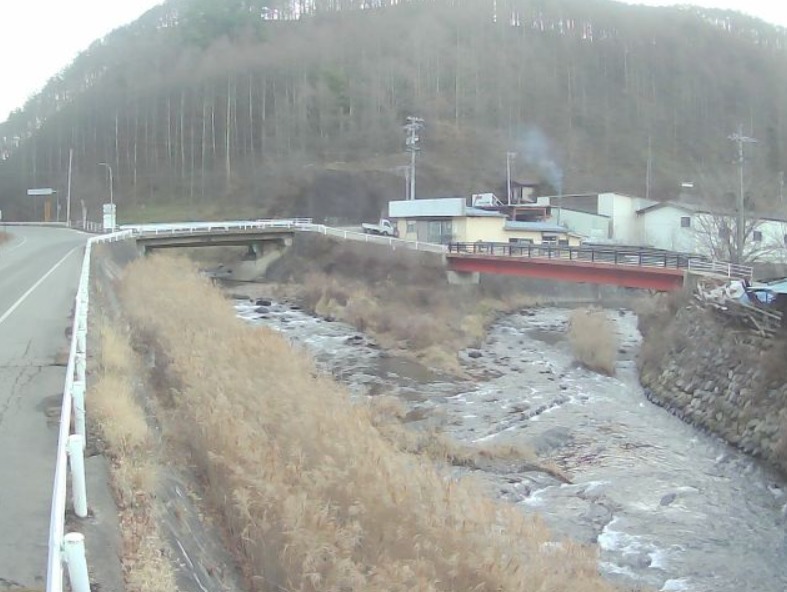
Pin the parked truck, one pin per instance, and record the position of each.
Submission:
(384, 227)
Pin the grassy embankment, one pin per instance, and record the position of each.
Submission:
(312, 495)
(128, 443)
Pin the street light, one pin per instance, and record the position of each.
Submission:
(509, 156)
(111, 194)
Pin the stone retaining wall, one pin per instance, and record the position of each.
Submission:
(723, 379)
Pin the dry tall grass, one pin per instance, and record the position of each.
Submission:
(430, 324)
(593, 340)
(124, 430)
(400, 297)
(312, 495)
(659, 333)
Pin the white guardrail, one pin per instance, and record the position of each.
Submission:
(297, 224)
(69, 549)
(729, 270)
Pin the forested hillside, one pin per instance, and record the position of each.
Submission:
(230, 107)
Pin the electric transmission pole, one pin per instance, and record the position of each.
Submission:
(413, 126)
(740, 235)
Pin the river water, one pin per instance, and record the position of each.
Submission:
(669, 507)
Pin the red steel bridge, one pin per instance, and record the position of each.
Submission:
(651, 269)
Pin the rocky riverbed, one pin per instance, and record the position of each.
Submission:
(669, 507)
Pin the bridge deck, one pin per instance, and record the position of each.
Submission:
(634, 268)
(171, 236)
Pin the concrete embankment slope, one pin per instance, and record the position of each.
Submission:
(721, 378)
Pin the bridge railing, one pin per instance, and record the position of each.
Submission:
(295, 224)
(69, 549)
(377, 239)
(226, 226)
(722, 268)
(616, 256)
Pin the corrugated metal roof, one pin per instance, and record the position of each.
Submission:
(535, 226)
(712, 210)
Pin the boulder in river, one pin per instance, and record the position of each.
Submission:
(552, 439)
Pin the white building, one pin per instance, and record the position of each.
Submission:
(675, 226)
(601, 217)
(669, 225)
(691, 228)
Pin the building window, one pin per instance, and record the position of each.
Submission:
(685, 221)
(411, 228)
(757, 236)
(439, 231)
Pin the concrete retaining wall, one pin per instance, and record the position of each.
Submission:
(722, 379)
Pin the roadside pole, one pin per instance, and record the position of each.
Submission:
(68, 192)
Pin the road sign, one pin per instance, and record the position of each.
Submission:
(109, 217)
(42, 191)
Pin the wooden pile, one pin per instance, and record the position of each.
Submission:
(763, 320)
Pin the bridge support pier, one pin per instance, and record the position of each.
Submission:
(463, 278)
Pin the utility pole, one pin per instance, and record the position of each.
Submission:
(509, 156)
(111, 190)
(649, 170)
(740, 235)
(413, 126)
(68, 193)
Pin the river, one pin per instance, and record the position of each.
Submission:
(670, 507)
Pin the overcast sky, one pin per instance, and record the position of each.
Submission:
(41, 37)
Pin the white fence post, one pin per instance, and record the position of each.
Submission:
(76, 460)
(78, 400)
(81, 340)
(74, 547)
(80, 363)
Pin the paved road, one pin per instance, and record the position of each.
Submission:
(39, 273)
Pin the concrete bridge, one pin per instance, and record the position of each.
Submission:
(253, 234)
